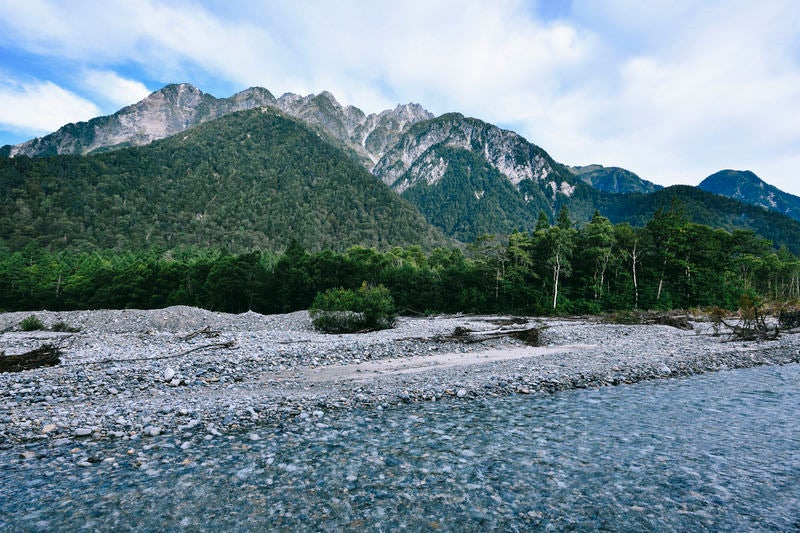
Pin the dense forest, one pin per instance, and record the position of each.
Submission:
(556, 269)
(249, 180)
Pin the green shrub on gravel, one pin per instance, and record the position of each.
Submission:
(64, 328)
(350, 311)
(32, 323)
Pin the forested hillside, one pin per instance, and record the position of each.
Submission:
(613, 179)
(252, 179)
(705, 208)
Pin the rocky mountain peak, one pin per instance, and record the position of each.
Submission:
(507, 152)
(254, 93)
(184, 95)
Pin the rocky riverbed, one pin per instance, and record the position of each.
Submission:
(131, 374)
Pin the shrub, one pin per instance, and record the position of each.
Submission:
(627, 317)
(349, 311)
(32, 323)
(64, 328)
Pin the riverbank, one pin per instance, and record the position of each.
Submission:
(132, 374)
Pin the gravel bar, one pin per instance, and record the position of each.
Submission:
(131, 374)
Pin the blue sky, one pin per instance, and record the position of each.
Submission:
(672, 90)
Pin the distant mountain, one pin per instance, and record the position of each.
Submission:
(613, 179)
(702, 207)
(250, 179)
(746, 187)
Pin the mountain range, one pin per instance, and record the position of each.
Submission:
(465, 176)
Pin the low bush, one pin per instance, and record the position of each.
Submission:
(64, 328)
(350, 311)
(32, 323)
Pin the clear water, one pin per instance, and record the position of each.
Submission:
(718, 452)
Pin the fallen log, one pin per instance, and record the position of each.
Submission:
(530, 336)
(650, 318)
(45, 355)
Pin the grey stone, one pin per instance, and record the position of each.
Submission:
(152, 431)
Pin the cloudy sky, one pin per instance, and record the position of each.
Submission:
(673, 90)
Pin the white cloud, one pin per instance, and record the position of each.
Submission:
(691, 91)
(41, 107)
(110, 86)
(172, 41)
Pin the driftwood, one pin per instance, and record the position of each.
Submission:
(530, 336)
(207, 332)
(650, 318)
(226, 344)
(789, 320)
(751, 330)
(753, 324)
(45, 355)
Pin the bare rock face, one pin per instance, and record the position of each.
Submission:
(410, 159)
(176, 107)
(368, 136)
(379, 132)
(163, 113)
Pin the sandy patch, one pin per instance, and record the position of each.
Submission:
(410, 365)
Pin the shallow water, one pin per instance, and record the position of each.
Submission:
(713, 452)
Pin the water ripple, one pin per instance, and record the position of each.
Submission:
(712, 452)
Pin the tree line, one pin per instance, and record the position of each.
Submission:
(555, 269)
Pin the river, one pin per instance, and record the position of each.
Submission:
(714, 452)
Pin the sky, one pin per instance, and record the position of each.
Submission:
(673, 90)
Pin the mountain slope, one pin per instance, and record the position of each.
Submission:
(613, 179)
(703, 208)
(470, 197)
(466, 176)
(746, 187)
(429, 165)
(249, 179)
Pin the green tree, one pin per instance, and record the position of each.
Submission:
(558, 244)
(597, 244)
(668, 245)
